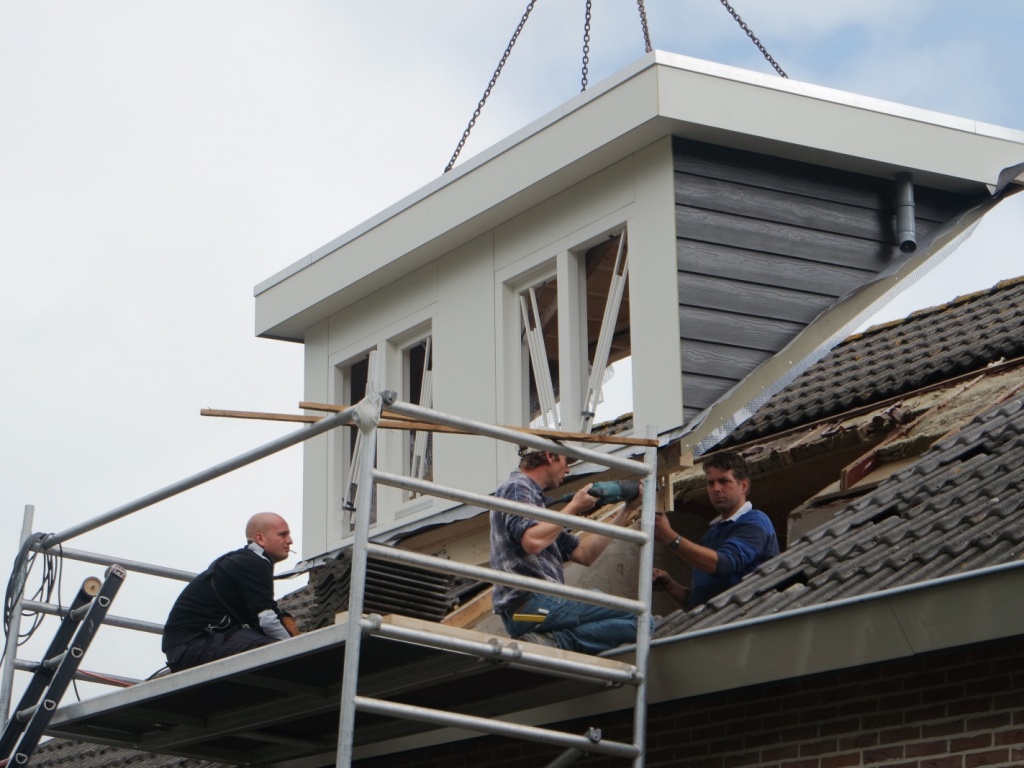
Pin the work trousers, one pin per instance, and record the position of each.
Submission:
(211, 646)
(574, 626)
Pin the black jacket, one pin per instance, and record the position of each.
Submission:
(234, 590)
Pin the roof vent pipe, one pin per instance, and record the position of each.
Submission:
(906, 226)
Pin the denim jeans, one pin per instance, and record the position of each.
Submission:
(575, 626)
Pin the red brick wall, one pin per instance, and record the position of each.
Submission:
(952, 709)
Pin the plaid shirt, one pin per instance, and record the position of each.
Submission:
(507, 553)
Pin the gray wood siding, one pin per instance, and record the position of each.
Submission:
(764, 245)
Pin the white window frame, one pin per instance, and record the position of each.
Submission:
(568, 268)
(395, 443)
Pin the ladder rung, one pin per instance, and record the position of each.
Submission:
(54, 662)
(27, 714)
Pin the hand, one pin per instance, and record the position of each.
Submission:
(582, 502)
(662, 529)
(660, 580)
(631, 508)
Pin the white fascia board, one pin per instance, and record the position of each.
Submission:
(661, 94)
(807, 122)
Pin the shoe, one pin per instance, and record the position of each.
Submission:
(539, 638)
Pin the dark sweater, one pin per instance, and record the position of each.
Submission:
(233, 591)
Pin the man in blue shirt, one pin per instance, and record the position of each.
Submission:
(738, 541)
(539, 549)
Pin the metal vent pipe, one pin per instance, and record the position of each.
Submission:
(906, 226)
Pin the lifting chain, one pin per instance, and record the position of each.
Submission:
(490, 86)
(753, 37)
(586, 46)
(586, 37)
(643, 26)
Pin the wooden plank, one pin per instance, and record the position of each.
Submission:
(701, 391)
(776, 173)
(719, 360)
(483, 637)
(471, 612)
(575, 437)
(734, 329)
(782, 207)
(766, 301)
(784, 239)
(815, 181)
(259, 415)
(768, 268)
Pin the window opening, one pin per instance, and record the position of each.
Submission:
(356, 377)
(609, 347)
(419, 384)
(539, 309)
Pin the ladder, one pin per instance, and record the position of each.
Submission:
(53, 675)
(597, 669)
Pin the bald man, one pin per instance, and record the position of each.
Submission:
(230, 607)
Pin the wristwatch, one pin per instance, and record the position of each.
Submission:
(675, 544)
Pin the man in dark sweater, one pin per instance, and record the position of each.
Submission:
(737, 542)
(230, 607)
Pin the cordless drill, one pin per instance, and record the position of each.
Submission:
(609, 492)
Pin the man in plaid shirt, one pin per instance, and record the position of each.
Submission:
(539, 549)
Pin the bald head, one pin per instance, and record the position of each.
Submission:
(270, 531)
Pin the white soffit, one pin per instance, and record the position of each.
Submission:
(661, 94)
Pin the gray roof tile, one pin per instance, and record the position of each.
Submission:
(886, 361)
(960, 508)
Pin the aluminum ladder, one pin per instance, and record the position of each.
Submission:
(53, 675)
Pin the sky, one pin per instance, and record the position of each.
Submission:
(159, 158)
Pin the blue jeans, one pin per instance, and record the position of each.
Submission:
(575, 626)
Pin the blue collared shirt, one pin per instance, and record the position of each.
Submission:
(743, 541)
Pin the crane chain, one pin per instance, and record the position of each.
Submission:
(753, 37)
(643, 26)
(490, 86)
(586, 47)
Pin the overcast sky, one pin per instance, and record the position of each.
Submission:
(159, 159)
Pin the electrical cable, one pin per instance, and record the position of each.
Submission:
(49, 580)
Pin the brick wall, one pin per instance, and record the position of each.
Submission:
(952, 709)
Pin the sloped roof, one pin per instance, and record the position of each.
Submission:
(82, 754)
(930, 346)
(960, 508)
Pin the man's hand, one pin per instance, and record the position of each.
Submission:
(662, 582)
(629, 509)
(582, 502)
(662, 529)
(290, 626)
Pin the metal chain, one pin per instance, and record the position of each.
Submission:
(490, 85)
(643, 25)
(753, 37)
(586, 46)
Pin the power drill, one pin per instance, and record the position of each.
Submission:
(609, 492)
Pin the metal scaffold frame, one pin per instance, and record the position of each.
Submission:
(42, 544)
(366, 416)
(362, 548)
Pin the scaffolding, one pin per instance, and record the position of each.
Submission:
(576, 674)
